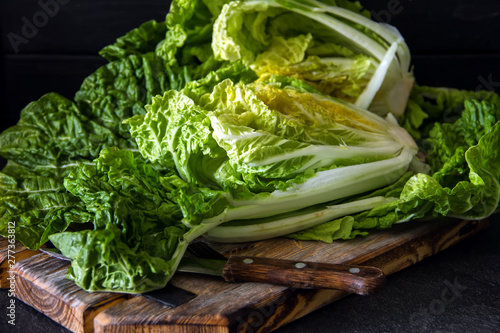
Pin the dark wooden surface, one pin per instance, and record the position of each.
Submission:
(232, 307)
(454, 43)
(41, 282)
(412, 301)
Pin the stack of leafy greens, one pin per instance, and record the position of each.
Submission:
(242, 120)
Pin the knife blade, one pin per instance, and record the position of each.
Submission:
(362, 280)
(201, 247)
(169, 295)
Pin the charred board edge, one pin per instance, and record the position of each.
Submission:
(389, 262)
(11, 252)
(64, 303)
(267, 315)
(419, 249)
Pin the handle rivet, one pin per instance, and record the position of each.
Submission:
(248, 261)
(300, 265)
(354, 270)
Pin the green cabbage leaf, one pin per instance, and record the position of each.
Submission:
(136, 209)
(338, 50)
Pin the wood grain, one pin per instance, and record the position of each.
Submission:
(41, 283)
(11, 252)
(253, 307)
(363, 280)
(444, 234)
(221, 306)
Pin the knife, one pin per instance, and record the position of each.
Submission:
(362, 280)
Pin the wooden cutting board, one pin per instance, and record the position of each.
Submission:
(220, 306)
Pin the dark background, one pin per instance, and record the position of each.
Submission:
(454, 43)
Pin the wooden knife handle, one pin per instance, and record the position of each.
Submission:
(362, 280)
